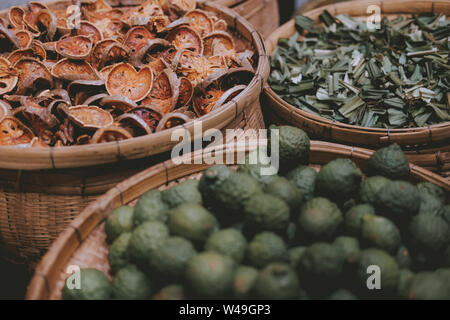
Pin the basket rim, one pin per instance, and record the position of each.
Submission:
(332, 8)
(168, 171)
(144, 145)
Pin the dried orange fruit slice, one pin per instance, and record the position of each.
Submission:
(124, 80)
(135, 124)
(46, 22)
(72, 70)
(172, 120)
(111, 134)
(149, 114)
(75, 48)
(90, 117)
(218, 43)
(25, 38)
(8, 76)
(121, 103)
(16, 15)
(137, 38)
(33, 75)
(13, 132)
(186, 38)
(186, 90)
(90, 30)
(200, 22)
(5, 109)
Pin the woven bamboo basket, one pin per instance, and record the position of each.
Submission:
(426, 146)
(83, 243)
(254, 11)
(43, 190)
(262, 14)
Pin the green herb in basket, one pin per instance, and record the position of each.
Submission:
(396, 76)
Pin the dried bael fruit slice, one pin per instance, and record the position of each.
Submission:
(37, 142)
(121, 103)
(238, 76)
(31, 16)
(5, 109)
(90, 30)
(72, 70)
(75, 48)
(124, 80)
(172, 120)
(212, 99)
(40, 119)
(25, 38)
(33, 76)
(110, 134)
(200, 22)
(8, 40)
(149, 114)
(152, 46)
(218, 43)
(13, 132)
(8, 77)
(16, 15)
(134, 124)
(182, 5)
(81, 90)
(186, 38)
(186, 90)
(46, 23)
(137, 38)
(21, 54)
(165, 92)
(90, 117)
(106, 52)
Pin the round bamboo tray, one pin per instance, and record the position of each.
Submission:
(43, 189)
(426, 146)
(313, 4)
(83, 243)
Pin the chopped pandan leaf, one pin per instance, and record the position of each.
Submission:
(304, 23)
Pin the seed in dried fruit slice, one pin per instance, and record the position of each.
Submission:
(75, 48)
(72, 70)
(33, 76)
(124, 80)
(135, 124)
(218, 43)
(235, 77)
(137, 38)
(8, 40)
(172, 120)
(110, 134)
(182, 5)
(90, 30)
(13, 132)
(149, 114)
(5, 109)
(200, 21)
(46, 22)
(121, 103)
(186, 38)
(25, 38)
(8, 76)
(90, 117)
(186, 90)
